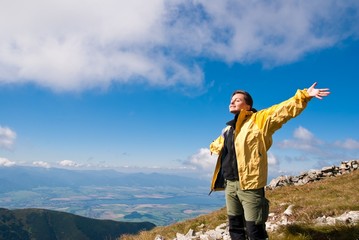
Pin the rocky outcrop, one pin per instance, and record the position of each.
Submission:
(221, 232)
(314, 175)
(275, 221)
(351, 217)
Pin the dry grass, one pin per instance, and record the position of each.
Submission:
(209, 221)
(329, 197)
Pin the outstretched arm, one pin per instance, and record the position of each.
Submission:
(318, 93)
(272, 118)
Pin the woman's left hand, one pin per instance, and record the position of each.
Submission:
(318, 93)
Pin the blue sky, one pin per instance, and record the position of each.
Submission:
(145, 85)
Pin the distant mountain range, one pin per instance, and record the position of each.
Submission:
(96, 194)
(24, 224)
(22, 178)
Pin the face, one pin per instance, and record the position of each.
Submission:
(238, 103)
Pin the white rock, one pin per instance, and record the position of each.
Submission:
(159, 237)
(348, 217)
(289, 210)
(203, 237)
(189, 233)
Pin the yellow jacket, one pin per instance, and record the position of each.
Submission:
(253, 138)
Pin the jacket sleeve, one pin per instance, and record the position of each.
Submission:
(216, 146)
(271, 119)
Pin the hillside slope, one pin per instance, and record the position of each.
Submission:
(23, 224)
(330, 197)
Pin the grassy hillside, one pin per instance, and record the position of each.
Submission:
(23, 224)
(329, 197)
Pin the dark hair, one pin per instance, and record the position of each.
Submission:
(247, 98)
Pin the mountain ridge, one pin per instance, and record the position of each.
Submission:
(21, 178)
(32, 223)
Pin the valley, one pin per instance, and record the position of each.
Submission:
(160, 205)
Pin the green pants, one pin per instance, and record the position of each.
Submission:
(251, 203)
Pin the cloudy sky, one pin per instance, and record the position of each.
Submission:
(145, 85)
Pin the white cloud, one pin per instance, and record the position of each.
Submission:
(202, 160)
(350, 144)
(71, 46)
(272, 160)
(6, 162)
(41, 164)
(304, 134)
(69, 163)
(7, 137)
(278, 32)
(305, 147)
(303, 140)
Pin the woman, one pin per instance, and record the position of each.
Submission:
(242, 165)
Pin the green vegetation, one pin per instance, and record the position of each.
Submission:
(23, 224)
(329, 197)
